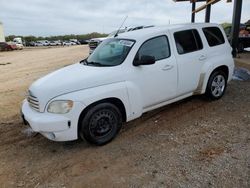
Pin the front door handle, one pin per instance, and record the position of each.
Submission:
(167, 67)
(202, 58)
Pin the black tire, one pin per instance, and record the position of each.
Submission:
(213, 86)
(101, 124)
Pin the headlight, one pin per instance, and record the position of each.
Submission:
(60, 107)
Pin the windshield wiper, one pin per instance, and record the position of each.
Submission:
(85, 62)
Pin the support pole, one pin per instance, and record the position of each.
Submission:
(208, 12)
(193, 13)
(236, 25)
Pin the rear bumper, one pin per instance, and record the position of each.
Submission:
(56, 127)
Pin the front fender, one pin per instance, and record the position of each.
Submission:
(90, 95)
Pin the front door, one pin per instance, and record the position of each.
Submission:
(157, 82)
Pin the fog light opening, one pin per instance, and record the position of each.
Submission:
(52, 136)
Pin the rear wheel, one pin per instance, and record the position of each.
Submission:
(101, 124)
(216, 86)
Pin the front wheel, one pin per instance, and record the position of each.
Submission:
(217, 85)
(101, 124)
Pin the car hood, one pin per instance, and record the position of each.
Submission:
(72, 78)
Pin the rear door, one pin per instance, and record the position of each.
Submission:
(190, 58)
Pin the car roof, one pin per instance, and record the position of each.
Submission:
(144, 33)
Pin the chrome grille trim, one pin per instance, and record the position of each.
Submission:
(33, 102)
(93, 44)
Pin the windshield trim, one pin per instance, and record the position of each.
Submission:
(123, 59)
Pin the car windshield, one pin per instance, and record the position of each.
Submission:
(110, 52)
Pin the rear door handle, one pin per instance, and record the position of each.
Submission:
(167, 67)
(202, 58)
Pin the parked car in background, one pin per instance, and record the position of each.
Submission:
(13, 46)
(244, 36)
(31, 43)
(68, 43)
(18, 40)
(19, 46)
(93, 43)
(55, 43)
(75, 41)
(127, 76)
(82, 41)
(4, 46)
(39, 43)
(42, 43)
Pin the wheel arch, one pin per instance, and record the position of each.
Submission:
(204, 77)
(223, 68)
(113, 100)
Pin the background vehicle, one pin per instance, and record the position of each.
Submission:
(38, 43)
(54, 43)
(93, 43)
(127, 76)
(31, 43)
(18, 40)
(82, 41)
(19, 46)
(68, 43)
(4, 46)
(244, 36)
(74, 41)
(42, 43)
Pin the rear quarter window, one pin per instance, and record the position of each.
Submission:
(188, 41)
(214, 36)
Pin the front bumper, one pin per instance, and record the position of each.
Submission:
(56, 127)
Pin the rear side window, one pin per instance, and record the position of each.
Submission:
(188, 41)
(157, 47)
(214, 36)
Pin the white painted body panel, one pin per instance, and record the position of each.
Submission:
(140, 89)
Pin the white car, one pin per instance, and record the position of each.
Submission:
(126, 76)
(54, 43)
(42, 43)
(19, 46)
(38, 43)
(68, 43)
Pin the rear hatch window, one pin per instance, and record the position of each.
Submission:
(214, 36)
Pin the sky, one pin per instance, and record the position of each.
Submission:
(59, 17)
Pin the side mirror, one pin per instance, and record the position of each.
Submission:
(145, 60)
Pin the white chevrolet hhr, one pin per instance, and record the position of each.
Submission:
(126, 76)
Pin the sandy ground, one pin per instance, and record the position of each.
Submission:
(192, 143)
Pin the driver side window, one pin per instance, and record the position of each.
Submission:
(157, 47)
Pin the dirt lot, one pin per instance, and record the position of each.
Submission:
(192, 143)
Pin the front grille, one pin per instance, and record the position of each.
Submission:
(93, 45)
(33, 102)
